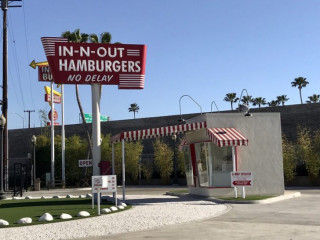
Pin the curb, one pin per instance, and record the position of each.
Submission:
(264, 201)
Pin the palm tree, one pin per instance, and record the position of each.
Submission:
(314, 98)
(259, 101)
(247, 100)
(274, 103)
(133, 108)
(282, 99)
(231, 97)
(300, 82)
(78, 37)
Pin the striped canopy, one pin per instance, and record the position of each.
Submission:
(157, 132)
(226, 137)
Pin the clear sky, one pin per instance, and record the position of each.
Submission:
(204, 49)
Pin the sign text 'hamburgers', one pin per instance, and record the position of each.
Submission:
(89, 63)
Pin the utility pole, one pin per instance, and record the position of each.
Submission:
(4, 7)
(29, 111)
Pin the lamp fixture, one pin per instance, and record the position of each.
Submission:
(180, 118)
(215, 105)
(244, 107)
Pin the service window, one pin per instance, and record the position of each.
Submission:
(188, 165)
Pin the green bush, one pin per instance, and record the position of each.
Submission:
(289, 160)
(163, 156)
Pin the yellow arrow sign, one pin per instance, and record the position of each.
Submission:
(48, 91)
(34, 64)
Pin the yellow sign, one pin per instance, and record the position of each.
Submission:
(48, 91)
(34, 64)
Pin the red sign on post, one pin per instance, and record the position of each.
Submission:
(55, 115)
(90, 63)
(56, 98)
(241, 179)
(44, 74)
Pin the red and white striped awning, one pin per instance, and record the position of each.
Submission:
(157, 132)
(227, 137)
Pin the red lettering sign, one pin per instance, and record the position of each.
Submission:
(89, 63)
(56, 98)
(44, 74)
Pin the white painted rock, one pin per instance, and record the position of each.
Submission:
(83, 214)
(123, 204)
(105, 210)
(114, 208)
(56, 197)
(25, 220)
(65, 216)
(69, 196)
(45, 197)
(46, 217)
(121, 207)
(28, 197)
(3, 222)
(82, 196)
(89, 195)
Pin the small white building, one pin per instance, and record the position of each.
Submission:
(233, 142)
(217, 144)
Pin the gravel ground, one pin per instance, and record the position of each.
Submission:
(148, 211)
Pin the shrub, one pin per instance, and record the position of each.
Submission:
(163, 159)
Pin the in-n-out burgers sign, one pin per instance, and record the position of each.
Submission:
(88, 63)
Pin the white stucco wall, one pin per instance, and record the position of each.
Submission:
(263, 155)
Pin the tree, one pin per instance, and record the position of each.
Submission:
(259, 101)
(308, 151)
(274, 103)
(282, 99)
(133, 108)
(300, 82)
(76, 36)
(289, 159)
(314, 98)
(133, 151)
(247, 100)
(163, 159)
(231, 97)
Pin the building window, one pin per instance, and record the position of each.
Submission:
(214, 165)
(202, 156)
(188, 165)
(221, 165)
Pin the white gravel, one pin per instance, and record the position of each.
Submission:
(148, 211)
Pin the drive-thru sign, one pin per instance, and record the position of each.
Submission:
(103, 184)
(241, 179)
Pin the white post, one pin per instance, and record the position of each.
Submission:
(99, 196)
(96, 133)
(114, 194)
(243, 192)
(52, 137)
(234, 169)
(123, 173)
(63, 143)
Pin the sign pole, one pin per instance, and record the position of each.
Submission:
(123, 173)
(52, 137)
(63, 137)
(234, 168)
(113, 172)
(96, 133)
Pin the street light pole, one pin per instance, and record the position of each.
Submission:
(2, 124)
(34, 140)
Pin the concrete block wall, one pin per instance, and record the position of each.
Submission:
(291, 117)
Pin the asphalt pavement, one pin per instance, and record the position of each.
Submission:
(291, 219)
